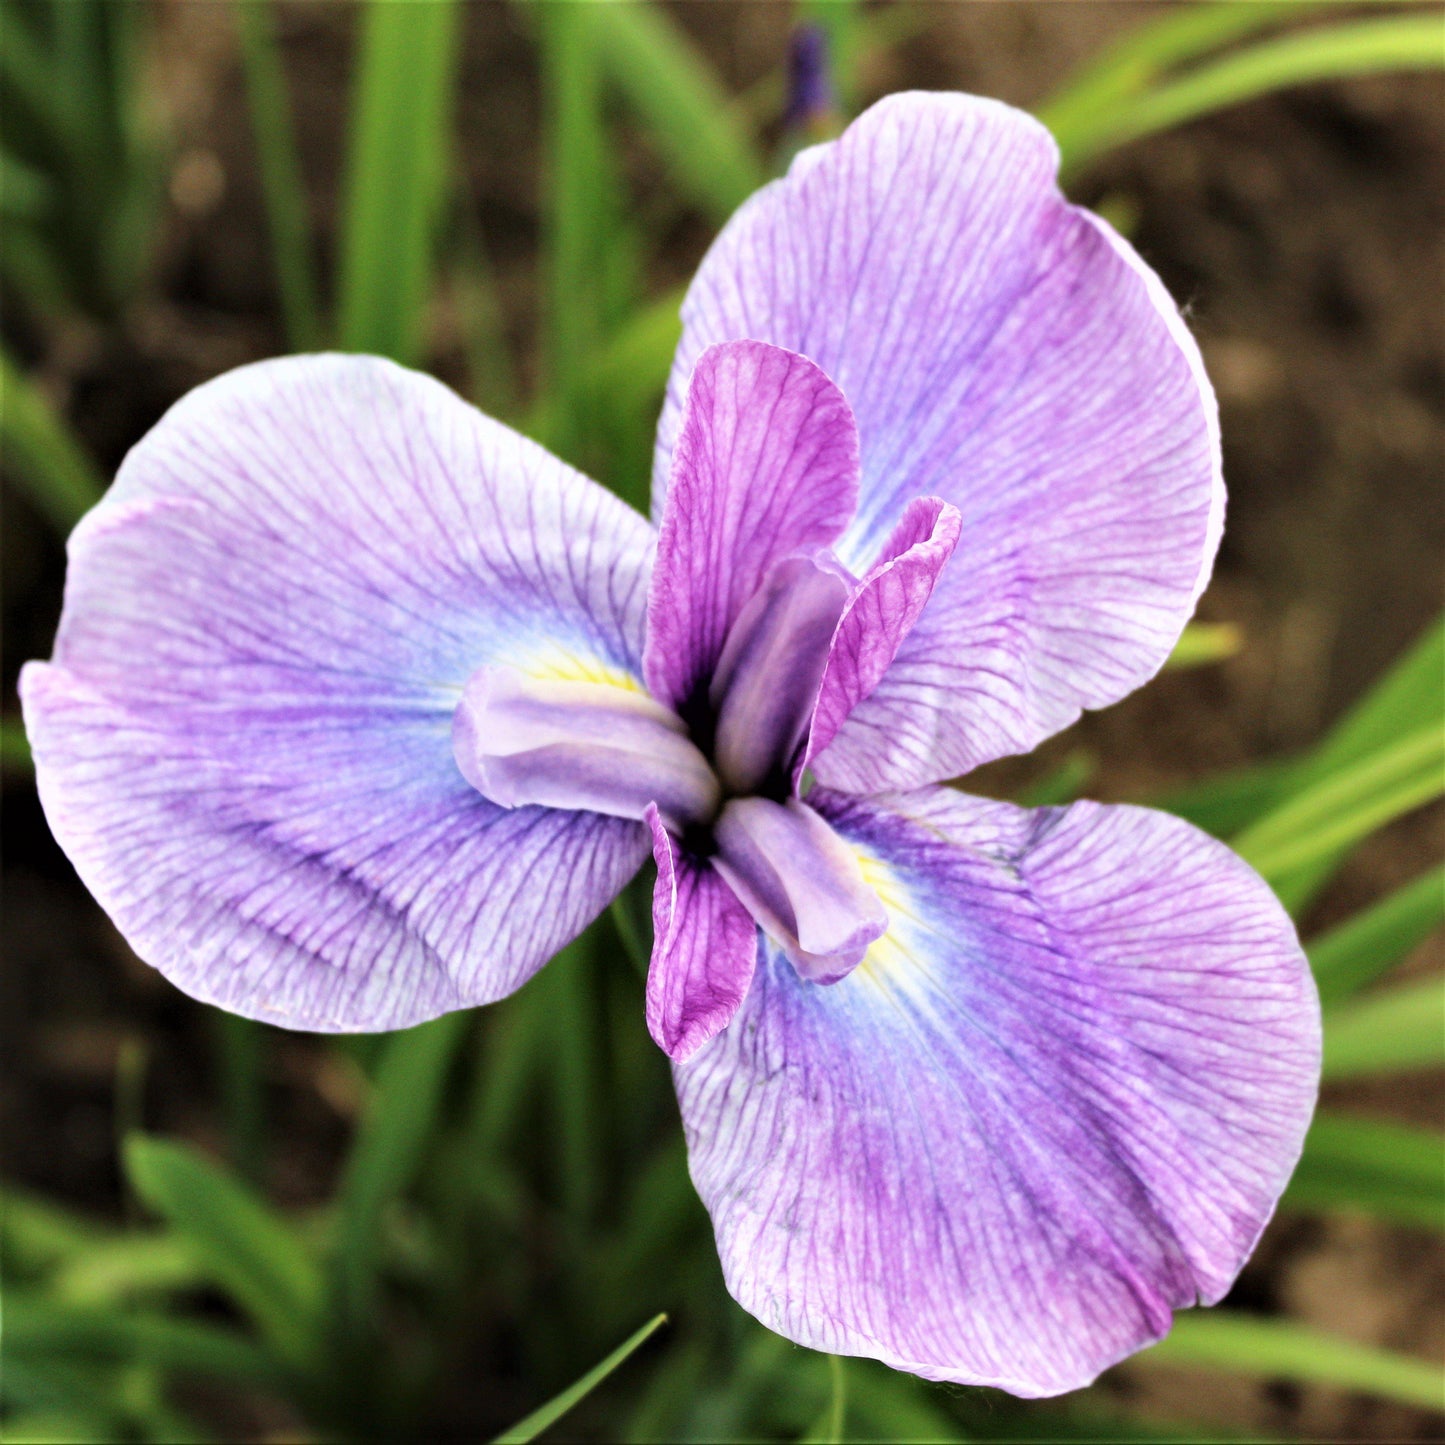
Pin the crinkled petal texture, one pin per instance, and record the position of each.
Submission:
(1005, 352)
(1056, 1101)
(704, 949)
(766, 467)
(244, 739)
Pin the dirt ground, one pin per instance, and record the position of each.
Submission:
(1304, 235)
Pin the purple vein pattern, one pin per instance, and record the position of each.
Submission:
(362, 705)
(1003, 351)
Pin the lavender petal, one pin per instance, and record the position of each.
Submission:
(801, 882)
(766, 467)
(244, 739)
(1008, 353)
(520, 739)
(704, 950)
(880, 615)
(766, 684)
(1057, 1100)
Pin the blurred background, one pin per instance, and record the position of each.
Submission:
(216, 1230)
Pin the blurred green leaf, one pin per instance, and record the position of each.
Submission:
(399, 1122)
(1393, 1171)
(830, 1426)
(1205, 642)
(680, 102)
(110, 1270)
(240, 1055)
(281, 181)
(39, 1235)
(548, 1415)
(59, 1428)
(570, 1027)
(1388, 1032)
(1346, 806)
(35, 1329)
(590, 241)
(1227, 802)
(1406, 698)
(887, 1405)
(1361, 47)
(1357, 951)
(1064, 784)
(25, 193)
(1147, 53)
(1277, 1350)
(40, 453)
(245, 1244)
(71, 113)
(396, 173)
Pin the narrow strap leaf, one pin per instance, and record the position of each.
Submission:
(1345, 807)
(1357, 951)
(1274, 1349)
(39, 1328)
(244, 1243)
(1361, 48)
(391, 1140)
(1389, 1032)
(1204, 642)
(1392, 1171)
(281, 181)
(43, 455)
(396, 173)
(548, 1415)
(680, 102)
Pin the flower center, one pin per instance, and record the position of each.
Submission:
(721, 780)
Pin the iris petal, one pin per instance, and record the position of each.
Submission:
(1056, 1101)
(881, 613)
(704, 949)
(244, 739)
(1008, 353)
(766, 466)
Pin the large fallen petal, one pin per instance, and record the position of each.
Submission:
(1008, 353)
(244, 739)
(1056, 1101)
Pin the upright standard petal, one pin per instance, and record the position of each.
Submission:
(1057, 1100)
(244, 739)
(766, 466)
(704, 949)
(881, 613)
(1006, 352)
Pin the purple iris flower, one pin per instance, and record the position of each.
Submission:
(363, 705)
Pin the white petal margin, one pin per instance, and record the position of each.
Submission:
(1057, 1101)
(243, 741)
(1006, 352)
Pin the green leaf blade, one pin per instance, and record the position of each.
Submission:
(681, 103)
(41, 453)
(396, 173)
(1391, 1171)
(1363, 47)
(1341, 809)
(1276, 1349)
(1389, 1032)
(245, 1244)
(1357, 951)
(548, 1415)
